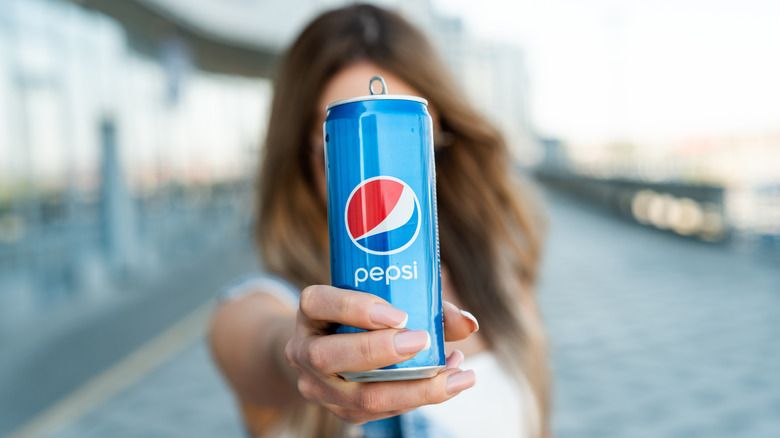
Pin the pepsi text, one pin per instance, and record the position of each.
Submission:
(391, 273)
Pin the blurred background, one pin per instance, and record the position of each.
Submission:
(129, 136)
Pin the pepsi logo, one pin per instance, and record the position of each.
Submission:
(382, 215)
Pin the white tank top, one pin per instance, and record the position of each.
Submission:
(494, 407)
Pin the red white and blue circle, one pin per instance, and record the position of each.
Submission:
(382, 215)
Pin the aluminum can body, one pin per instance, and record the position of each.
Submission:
(382, 217)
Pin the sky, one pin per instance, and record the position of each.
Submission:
(640, 70)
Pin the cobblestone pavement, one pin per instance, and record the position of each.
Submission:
(59, 356)
(658, 336)
(652, 336)
(184, 398)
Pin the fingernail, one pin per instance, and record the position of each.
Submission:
(460, 381)
(471, 317)
(412, 341)
(451, 306)
(388, 315)
(454, 361)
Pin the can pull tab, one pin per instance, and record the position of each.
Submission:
(381, 81)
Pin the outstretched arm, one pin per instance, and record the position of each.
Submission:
(276, 358)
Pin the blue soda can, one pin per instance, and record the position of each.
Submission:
(384, 236)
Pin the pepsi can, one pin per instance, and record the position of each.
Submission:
(382, 216)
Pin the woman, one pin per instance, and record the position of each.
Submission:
(282, 368)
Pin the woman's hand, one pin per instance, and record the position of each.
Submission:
(319, 355)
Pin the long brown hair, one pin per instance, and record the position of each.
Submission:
(489, 230)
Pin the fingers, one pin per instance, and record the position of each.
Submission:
(326, 304)
(353, 352)
(323, 305)
(384, 397)
(357, 403)
(455, 359)
(458, 324)
(319, 355)
(360, 416)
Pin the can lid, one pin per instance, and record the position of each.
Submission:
(381, 96)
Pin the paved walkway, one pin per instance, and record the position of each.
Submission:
(652, 336)
(183, 398)
(58, 368)
(658, 336)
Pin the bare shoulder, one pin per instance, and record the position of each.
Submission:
(257, 302)
(259, 288)
(253, 302)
